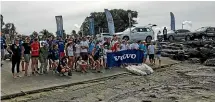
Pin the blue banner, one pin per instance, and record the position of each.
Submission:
(59, 21)
(126, 56)
(91, 26)
(172, 17)
(110, 22)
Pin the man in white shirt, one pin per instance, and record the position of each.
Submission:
(151, 50)
(84, 49)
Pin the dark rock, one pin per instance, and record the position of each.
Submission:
(164, 54)
(146, 101)
(194, 60)
(153, 96)
(210, 62)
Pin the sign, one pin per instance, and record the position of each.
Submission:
(59, 21)
(172, 17)
(91, 26)
(110, 22)
(126, 56)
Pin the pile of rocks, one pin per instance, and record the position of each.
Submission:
(193, 51)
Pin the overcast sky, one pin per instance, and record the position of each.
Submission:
(37, 15)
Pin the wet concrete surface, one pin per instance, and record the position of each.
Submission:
(183, 82)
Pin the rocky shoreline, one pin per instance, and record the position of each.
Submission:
(194, 51)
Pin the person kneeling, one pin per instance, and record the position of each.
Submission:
(63, 67)
(82, 65)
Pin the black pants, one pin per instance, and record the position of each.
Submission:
(15, 62)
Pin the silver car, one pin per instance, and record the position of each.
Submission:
(177, 35)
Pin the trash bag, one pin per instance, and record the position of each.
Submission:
(142, 69)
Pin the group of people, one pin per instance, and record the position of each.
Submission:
(72, 54)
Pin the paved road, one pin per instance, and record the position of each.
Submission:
(24, 84)
(179, 83)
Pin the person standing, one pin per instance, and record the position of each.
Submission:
(61, 46)
(15, 49)
(35, 47)
(3, 44)
(70, 54)
(84, 49)
(43, 58)
(165, 34)
(151, 49)
(158, 52)
(26, 49)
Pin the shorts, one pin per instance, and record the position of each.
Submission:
(34, 56)
(158, 56)
(62, 54)
(27, 58)
(56, 61)
(84, 56)
(49, 56)
(151, 56)
(77, 54)
(145, 56)
(96, 58)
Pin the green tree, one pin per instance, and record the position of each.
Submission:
(45, 34)
(120, 18)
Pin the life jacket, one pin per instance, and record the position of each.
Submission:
(35, 46)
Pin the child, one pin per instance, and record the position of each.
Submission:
(43, 57)
(82, 64)
(105, 56)
(151, 50)
(55, 57)
(63, 67)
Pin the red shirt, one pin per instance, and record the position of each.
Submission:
(35, 46)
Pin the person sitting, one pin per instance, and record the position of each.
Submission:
(82, 65)
(63, 67)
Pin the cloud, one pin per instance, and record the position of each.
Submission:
(29, 16)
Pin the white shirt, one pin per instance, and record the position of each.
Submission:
(77, 48)
(134, 46)
(84, 43)
(123, 47)
(151, 49)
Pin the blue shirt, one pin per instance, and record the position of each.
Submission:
(143, 47)
(91, 47)
(61, 46)
(3, 43)
(55, 55)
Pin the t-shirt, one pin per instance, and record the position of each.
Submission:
(70, 50)
(55, 54)
(134, 46)
(84, 43)
(61, 46)
(151, 49)
(158, 49)
(123, 47)
(91, 47)
(3, 43)
(35, 46)
(77, 48)
(27, 48)
(16, 49)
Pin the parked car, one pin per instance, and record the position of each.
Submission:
(102, 36)
(177, 35)
(137, 33)
(204, 33)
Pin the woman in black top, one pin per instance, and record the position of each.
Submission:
(26, 49)
(15, 49)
